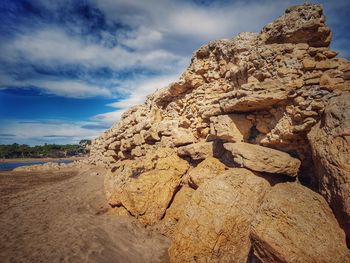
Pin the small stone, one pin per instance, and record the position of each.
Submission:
(309, 64)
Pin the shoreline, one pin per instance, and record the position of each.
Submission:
(44, 159)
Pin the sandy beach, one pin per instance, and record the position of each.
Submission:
(63, 216)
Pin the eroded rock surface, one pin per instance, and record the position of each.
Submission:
(168, 224)
(249, 101)
(206, 170)
(293, 225)
(330, 143)
(263, 159)
(145, 187)
(215, 226)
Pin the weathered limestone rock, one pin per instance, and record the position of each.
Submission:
(230, 128)
(255, 97)
(330, 143)
(263, 159)
(173, 214)
(294, 28)
(255, 75)
(266, 89)
(215, 226)
(206, 170)
(200, 150)
(182, 136)
(295, 224)
(146, 186)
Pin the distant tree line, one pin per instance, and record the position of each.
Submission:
(41, 151)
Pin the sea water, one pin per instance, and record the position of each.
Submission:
(11, 166)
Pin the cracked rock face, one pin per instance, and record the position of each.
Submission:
(293, 225)
(216, 223)
(263, 159)
(254, 124)
(330, 142)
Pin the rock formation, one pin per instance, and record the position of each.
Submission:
(233, 160)
(293, 225)
(330, 142)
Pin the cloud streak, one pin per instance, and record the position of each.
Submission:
(40, 133)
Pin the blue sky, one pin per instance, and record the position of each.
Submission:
(69, 69)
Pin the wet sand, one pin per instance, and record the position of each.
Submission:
(63, 217)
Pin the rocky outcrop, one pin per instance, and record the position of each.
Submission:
(299, 25)
(293, 225)
(206, 170)
(330, 143)
(263, 159)
(200, 150)
(215, 226)
(146, 187)
(53, 166)
(168, 224)
(250, 101)
(229, 128)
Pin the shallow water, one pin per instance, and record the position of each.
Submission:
(11, 166)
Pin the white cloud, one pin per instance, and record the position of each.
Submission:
(142, 38)
(49, 46)
(137, 92)
(33, 132)
(186, 20)
(65, 88)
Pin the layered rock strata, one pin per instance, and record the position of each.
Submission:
(221, 161)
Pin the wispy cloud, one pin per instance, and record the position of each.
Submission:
(7, 135)
(39, 133)
(137, 92)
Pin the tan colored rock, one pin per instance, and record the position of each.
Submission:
(327, 82)
(309, 63)
(200, 150)
(295, 224)
(173, 214)
(222, 127)
(330, 53)
(255, 97)
(181, 136)
(299, 24)
(330, 143)
(326, 64)
(230, 128)
(207, 169)
(146, 186)
(272, 87)
(215, 226)
(263, 159)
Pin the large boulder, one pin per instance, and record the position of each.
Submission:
(299, 24)
(330, 143)
(146, 186)
(173, 214)
(256, 96)
(295, 224)
(182, 136)
(206, 170)
(230, 128)
(263, 159)
(215, 226)
(200, 150)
